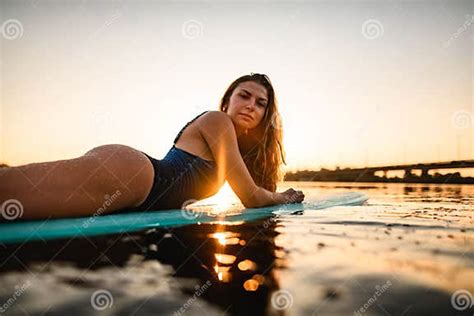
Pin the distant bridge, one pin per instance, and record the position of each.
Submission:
(368, 174)
(424, 167)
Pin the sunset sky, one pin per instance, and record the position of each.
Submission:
(358, 83)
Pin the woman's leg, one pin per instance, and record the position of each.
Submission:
(105, 179)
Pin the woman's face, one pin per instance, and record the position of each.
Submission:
(247, 106)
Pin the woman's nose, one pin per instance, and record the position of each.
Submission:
(250, 104)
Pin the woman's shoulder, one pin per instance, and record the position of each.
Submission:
(215, 114)
(215, 122)
(215, 117)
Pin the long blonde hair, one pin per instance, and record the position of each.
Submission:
(262, 148)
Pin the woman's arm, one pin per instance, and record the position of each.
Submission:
(218, 131)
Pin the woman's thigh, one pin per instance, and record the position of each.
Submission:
(105, 179)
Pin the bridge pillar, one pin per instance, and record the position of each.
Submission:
(407, 173)
(424, 172)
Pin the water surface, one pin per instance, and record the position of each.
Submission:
(403, 253)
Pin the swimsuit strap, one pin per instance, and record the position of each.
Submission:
(187, 124)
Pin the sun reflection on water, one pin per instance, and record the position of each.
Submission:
(227, 264)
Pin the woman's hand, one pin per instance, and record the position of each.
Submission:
(289, 196)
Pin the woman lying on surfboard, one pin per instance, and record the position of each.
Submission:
(240, 143)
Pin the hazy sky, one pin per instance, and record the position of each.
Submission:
(380, 82)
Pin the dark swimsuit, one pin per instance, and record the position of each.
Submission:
(180, 177)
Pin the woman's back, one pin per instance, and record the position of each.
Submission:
(189, 139)
(181, 176)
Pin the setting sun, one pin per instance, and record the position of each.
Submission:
(225, 197)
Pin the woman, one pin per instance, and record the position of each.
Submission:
(241, 143)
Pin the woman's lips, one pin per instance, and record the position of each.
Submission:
(247, 116)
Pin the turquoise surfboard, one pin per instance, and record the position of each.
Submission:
(24, 231)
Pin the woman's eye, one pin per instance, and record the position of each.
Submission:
(246, 97)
